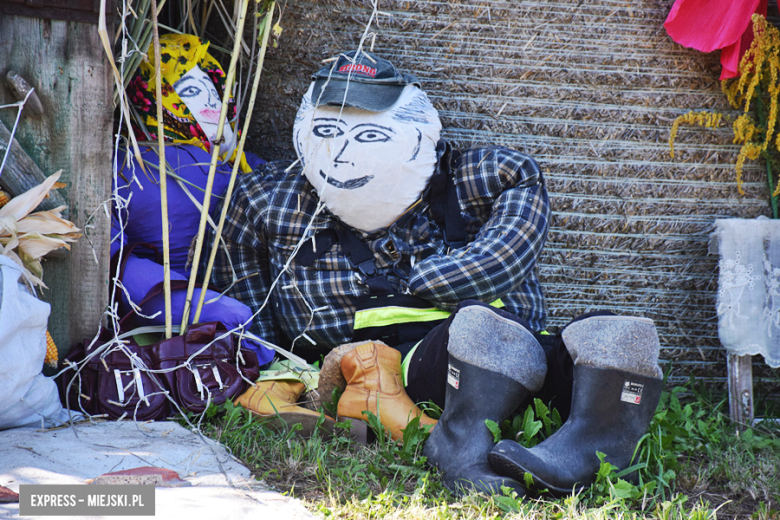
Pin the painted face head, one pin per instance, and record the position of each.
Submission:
(197, 91)
(368, 167)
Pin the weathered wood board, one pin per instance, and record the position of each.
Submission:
(65, 63)
(22, 174)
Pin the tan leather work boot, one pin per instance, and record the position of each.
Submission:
(330, 373)
(374, 383)
(278, 401)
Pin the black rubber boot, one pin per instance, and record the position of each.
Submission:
(611, 411)
(459, 444)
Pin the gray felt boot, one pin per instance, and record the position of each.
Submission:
(617, 386)
(494, 365)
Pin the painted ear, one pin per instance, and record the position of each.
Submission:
(417, 148)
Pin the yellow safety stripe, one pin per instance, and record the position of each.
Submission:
(406, 362)
(384, 316)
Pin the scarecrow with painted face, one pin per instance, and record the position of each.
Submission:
(193, 84)
(192, 88)
(414, 267)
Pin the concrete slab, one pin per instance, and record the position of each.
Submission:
(222, 488)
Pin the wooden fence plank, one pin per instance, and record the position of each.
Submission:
(65, 64)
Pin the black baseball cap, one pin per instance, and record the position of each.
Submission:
(366, 82)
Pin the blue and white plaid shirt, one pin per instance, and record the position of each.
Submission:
(503, 201)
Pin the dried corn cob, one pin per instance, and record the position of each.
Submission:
(4, 198)
(51, 351)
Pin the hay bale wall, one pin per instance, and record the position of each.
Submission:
(590, 90)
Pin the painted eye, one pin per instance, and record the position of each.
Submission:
(189, 91)
(327, 131)
(372, 136)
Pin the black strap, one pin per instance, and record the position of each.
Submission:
(357, 252)
(443, 197)
(313, 248)
(361, 258)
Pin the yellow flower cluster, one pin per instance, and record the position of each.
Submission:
(731, 91)
(754, 63)
(705, 119)
(747, 134)
(750, 151)
(759, 82)
(757, 89)
(745, 129)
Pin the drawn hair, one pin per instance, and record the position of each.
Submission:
(417, 108)
(413, 106)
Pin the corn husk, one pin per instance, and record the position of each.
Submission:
(26, 238)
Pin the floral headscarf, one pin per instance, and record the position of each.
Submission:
(179, 53)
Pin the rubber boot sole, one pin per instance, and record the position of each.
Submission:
(504, 465)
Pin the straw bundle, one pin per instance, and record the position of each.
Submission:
(590, 89)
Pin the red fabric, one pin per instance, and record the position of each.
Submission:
(8, 496)
(708, 25)
(167, 475)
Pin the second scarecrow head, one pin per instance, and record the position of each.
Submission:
(193, 84)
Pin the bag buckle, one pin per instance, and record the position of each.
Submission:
(120, 389)
(139, 384)
(198, 381)
(215, 371)
(368, 268)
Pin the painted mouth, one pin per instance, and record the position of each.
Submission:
(351, 184)
(209, 115)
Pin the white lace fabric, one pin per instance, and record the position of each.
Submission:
(749, 287)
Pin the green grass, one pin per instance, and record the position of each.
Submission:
(691, 464)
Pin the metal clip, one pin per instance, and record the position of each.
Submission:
(215, 371)
(120, 390)
(140, 385)
(198, 382)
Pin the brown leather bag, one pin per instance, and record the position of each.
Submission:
(112, 385)
(202, 367)
(208, 366)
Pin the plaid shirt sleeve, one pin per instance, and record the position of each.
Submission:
(241, 265)
(505, 249)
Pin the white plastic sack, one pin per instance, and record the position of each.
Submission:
(749, 287)
(27, 397)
